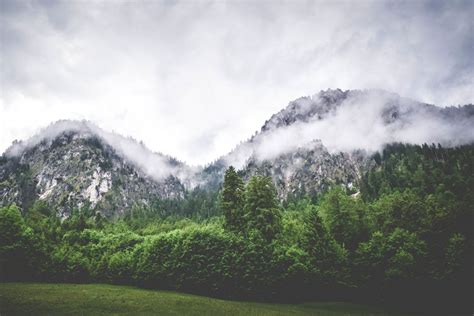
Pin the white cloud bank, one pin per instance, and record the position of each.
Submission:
(155, 165)
(365, 120)
(192, 79)
(341, 121)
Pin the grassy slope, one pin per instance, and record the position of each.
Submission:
(90, 299)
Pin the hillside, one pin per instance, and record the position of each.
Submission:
(78, 167)
(313, 143)
(404, 242)
(329, 138)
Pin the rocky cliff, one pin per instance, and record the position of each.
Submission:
(314, 142)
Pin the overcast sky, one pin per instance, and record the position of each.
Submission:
(192, 79)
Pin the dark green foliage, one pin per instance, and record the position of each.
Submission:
(328, 259)
(385, 258)
(392, 268)
(16, 240)
(261, 207)
(197, 204)
(399, 209)
(12, 226)
(344, 216)
(426, 169)
(406, 240)
(233, 201)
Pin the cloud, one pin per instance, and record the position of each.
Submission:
(331, 120)
(155, 165)
(356, 120)
(192, 79)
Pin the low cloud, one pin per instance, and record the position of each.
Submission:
(179, 73)
(340, 121)
(155, 165)
(365, 120)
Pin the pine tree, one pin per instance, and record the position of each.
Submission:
(327, 256)
(233, 200)
(261, 207)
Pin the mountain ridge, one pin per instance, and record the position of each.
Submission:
(75, 164)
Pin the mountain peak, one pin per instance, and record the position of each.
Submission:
(156, 165)
(75, 164)
(315, 139)
(305, 108)
(52, 131)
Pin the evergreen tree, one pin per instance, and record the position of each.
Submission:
(233, 200)
(261, 207)
(15, 240)
(343, 216)
(328, 258)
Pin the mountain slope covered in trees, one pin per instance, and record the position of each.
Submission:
(295, 220)
(305, 148)
(404, 241)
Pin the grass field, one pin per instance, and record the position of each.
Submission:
(95, 299)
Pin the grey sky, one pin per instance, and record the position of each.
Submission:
(192, 79)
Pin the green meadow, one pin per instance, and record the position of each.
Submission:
(100, 299)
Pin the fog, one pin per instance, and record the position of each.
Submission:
(193, 78)
(155, 165)
(365, 120)
(349, 121)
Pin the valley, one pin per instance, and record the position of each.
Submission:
(308, 220)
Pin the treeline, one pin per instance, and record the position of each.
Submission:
(197, 204)
(405, 240)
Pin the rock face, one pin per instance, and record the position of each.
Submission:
(308, 171)
(353, 125)
(78, 170)
(312, 143)
(305, 109)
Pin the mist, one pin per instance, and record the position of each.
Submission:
(155, 165)
(353, 120)
(193, 78)
(365, 120)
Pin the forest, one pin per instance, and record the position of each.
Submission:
(403, 239)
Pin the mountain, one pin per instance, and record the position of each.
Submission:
(329, 138)
(73, 164)
(314, 142)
